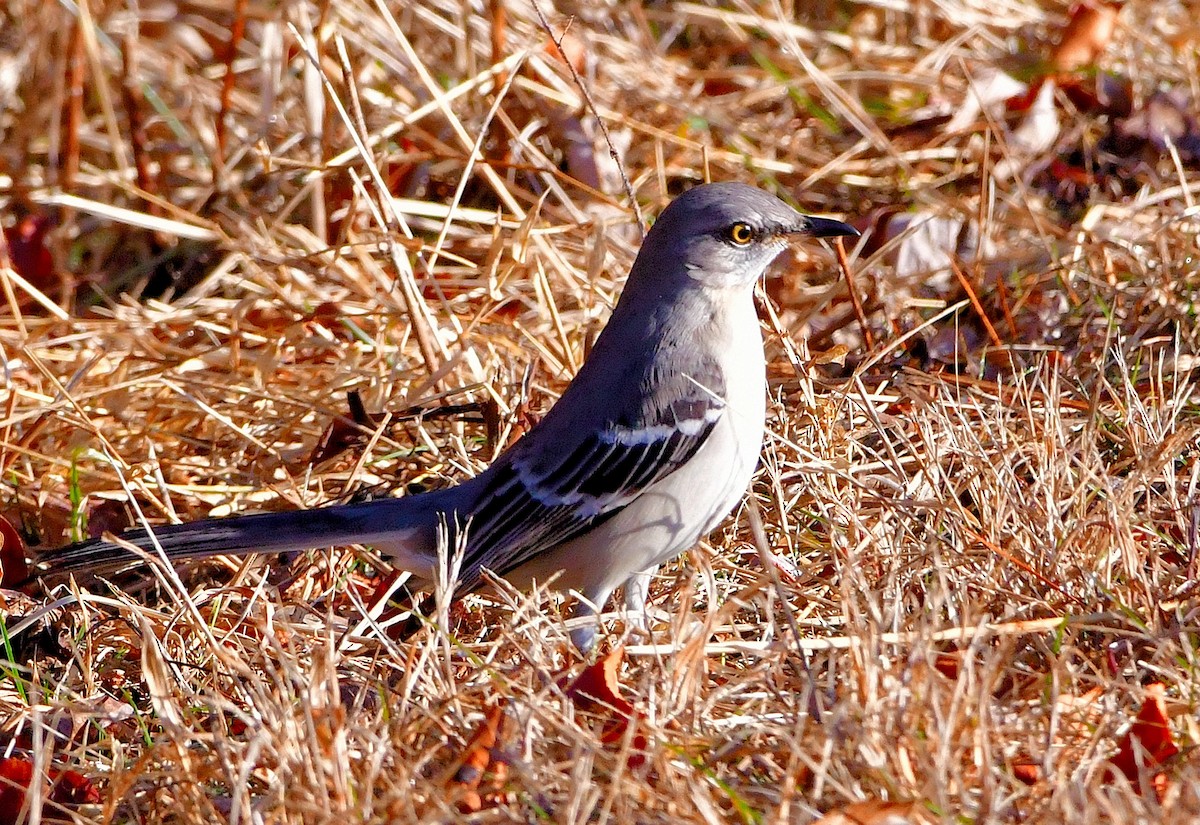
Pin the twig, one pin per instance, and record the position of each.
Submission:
(236, 32)
(975, 302)
(848, 274)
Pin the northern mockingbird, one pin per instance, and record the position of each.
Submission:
(651, 445)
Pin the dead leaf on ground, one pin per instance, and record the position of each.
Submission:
(876, 812)
(1163, 122)
(17, 774)
(1026, 771)
(569, 49)
(108, 515)
(1034, 135)
(752, 558)
(834, 355)
(27, 251)
(13, 569)
(1148, 742)
(596, 691)
(1086, 35)
(597, 688)
(346, 432)
(948, 663)
(477, 762)
(989, 90)
(931, 242)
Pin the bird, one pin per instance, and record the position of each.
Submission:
(649, 447)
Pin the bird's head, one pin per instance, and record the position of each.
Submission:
(724, 235)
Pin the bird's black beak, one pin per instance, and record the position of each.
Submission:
(826, 228)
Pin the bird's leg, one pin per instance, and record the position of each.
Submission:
(637, 592)
(588, 606)
(584, 636)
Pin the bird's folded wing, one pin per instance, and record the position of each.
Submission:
(548, 490)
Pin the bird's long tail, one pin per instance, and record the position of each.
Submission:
(404, 529)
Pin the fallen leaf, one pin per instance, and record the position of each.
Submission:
(1103, 93)
(477, 758)
(569, 49)
(107, 515)
(15, 775)
(597, 691)
(160, 679)
(988, 90)
(73, 788)
(723, 84)
(27, 250)
(346, 432)
(948, 663)
(1026, 771)
(1148, 742)
(1035, 134)
(754, 558)
(270, 319)
(1086, 35)
(1164, 121)
(875, 812)
(931, 242)
(67, 788)
(13, 569)
(834, 355)
(588, 153)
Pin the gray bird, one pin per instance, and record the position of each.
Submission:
(652, 444)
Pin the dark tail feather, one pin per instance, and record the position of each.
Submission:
(403, 528)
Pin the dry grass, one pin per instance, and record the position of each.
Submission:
(994, 547)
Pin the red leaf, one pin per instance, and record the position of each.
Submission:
(16, 774)
(597, 691)
(948, 664)
(73, 788)
(1086, 35)
(13, 569)
(1024, 101)
(1027, 771)
(875, 812)
(723, 85)
(27, 250)
(477, 758)
(1148, 743)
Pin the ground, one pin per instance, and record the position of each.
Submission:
(272, 256)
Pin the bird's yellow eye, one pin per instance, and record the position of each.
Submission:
(740, 234)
